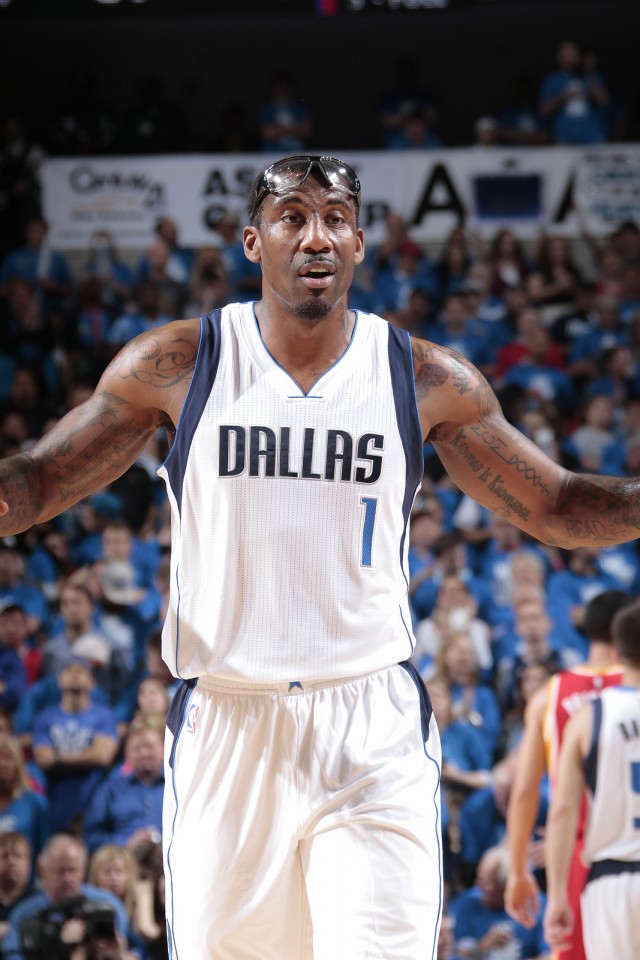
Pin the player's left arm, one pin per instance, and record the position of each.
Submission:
(503, 470)
(562, 824)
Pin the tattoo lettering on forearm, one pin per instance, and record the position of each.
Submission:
(459, 443)
(499, 446)
(586, 529)
(513, 505)
(159, 364)
(18, 483)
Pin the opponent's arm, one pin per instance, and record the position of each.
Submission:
(522, 893)
(562, 824)
(142, 388)
(503, 470)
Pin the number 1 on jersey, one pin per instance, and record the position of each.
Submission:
(370, 505)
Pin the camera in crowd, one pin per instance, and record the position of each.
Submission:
(41, 936)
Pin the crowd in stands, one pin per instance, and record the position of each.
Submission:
(83, 688)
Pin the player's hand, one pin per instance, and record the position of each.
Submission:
(521, 899)
(558, 924)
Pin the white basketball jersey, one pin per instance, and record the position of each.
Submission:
(290, 511)
(612, 770)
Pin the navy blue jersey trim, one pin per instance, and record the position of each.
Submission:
(426, 709)
(204, 376)
(176, 712)
(612, 868)
(404, 397)
(590, 765)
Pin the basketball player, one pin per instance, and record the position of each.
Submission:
(601, 749)
(302, 758)
(545, 720)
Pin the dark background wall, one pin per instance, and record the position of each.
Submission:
(467, 54)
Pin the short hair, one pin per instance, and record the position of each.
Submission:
(12, 838)
(600, 612)
(625, 633)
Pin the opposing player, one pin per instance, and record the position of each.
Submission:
(302, 758)
(545, 720)
(601, 749)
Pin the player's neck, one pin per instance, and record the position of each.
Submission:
(631, 677)
(601, 655)
(304, 347)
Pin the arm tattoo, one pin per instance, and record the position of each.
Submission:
(19, 481)
(427, 373)
(600, 509)
(157, 363)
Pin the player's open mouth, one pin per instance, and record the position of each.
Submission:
(317, 275)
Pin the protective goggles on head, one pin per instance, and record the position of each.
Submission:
(292, 171)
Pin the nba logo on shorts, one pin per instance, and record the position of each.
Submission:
(192, 717)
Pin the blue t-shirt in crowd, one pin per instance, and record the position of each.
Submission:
(473, 920)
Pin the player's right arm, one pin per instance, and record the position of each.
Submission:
(522, 893)
(562, 824)
(142, 389)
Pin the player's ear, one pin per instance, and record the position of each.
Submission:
(251, 241)
(359, 254)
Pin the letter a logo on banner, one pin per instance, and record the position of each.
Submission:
(439, 196)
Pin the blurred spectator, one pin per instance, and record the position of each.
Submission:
(520, 122)
(455, 609)
(415, 133)
(154, 123)
(111, 275)
(456, 662)
(152, 702)
(456, 256)
(180, 259)
(82, 124)
(285, 118)
(127, 808)
(142, 313)
(22, 810)
(14, 587)
(210, 285)
(115, 869)
(15, 876)
(507, 262)
(573, 99)
(45, 269)
(14, 636)
(244, 277)
(405, 97)
(28, 338)
(451, 558)
(589, 441)
(408, 270)
(62, 867)
(49, 561)
(555, 278)
(13, 675)
(526, 343)
(20, 161)
(534, 640)
(74, 743)
(76, 626)
(571, 589)
(164, 266)
(486, 132)
(454, 331)
(481, 925)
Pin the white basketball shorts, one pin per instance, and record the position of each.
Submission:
(303, 823)
(611, 918)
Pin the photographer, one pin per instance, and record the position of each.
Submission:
(65, 902)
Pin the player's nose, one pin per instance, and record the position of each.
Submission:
(315, 235)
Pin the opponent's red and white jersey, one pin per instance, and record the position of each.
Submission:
(290, 510)
(568, 691)
(612, 771)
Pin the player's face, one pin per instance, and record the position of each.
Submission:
(308, 245)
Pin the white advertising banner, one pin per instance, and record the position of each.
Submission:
(524, 189)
